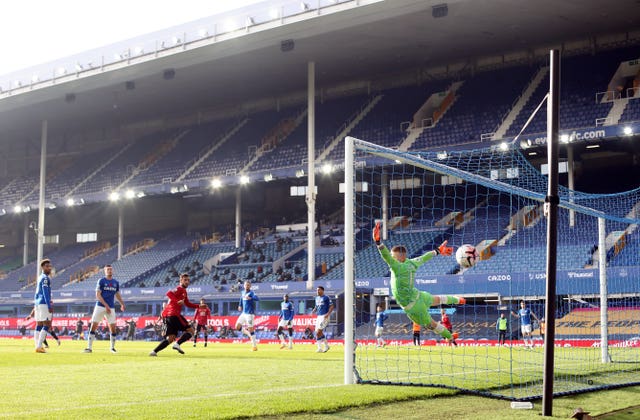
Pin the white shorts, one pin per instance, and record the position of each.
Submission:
(100, 313)
(285, 323)
(379, 331)
(526, 329)
(245, 319)
(42, 313)
(321, 322)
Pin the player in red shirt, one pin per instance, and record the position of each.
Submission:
(446, 322)
(200, 318)
(173, 319)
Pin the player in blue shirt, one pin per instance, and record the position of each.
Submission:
(43, 305)
(107, 290)
(525, 315)
(285, 320)
(323, 309)
(247, 307)
(381, 316)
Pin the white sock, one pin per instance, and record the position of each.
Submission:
(36, 337)
(92, 337)
(290, 340)
(253, 339)
(112, 338)
(41, 337)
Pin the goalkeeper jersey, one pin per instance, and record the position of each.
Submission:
(403, 275)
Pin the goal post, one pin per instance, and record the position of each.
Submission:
(491, 198)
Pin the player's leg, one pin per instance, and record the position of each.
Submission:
(280, 335)
(169, 333)
(447, 300)
(186, 335)
(195, 336)
(99, 313)
(112, 337)
(290, 337)
(55, 336)
(252, 332)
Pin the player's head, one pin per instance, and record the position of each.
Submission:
(184, 280)
(379, 308)
(320, 290)
(247, 285)
(443, 311)
(45, 265)
(202, 302)
(502, 315)
(108, 271)
(285, 298)
(522, 304)
(399, 253)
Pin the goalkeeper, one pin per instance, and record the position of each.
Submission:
(415, 303)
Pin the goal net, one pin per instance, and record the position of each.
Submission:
(492, 199)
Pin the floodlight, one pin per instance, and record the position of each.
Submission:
(114, 196)
(244, 179)
(327, 168)
(140, 194)
(268, 177)
(70, 202)
(564, 138)
(627, 130)
(17, 209)
(299, 173)
(504, 146)
(129, 194)
(216, 183)
(52, 206)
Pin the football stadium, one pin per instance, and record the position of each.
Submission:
(329, 208)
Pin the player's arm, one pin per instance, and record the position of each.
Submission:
(173, 297)
(254, 296)
(240, 304)
(32, 313)
(120, 301)
(443, 249)
(331, 307)
(46, 292)
(101, 300)
(386, 255)
(190, 304)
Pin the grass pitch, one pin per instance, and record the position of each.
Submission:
(229, 381)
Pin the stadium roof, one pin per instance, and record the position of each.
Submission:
(349, 40)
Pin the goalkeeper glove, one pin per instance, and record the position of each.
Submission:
(376, 233)
(444, 249)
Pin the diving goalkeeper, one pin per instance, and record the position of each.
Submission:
(414, 302)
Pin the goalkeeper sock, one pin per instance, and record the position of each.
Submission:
(449, 300)
(444, 333)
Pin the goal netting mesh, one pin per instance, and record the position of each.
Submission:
(493, 199)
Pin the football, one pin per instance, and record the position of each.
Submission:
(467, 256)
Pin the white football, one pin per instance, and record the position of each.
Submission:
(467, 256)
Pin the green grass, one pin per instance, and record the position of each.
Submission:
(230, 381)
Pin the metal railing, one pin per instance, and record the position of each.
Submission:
(608, 96)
